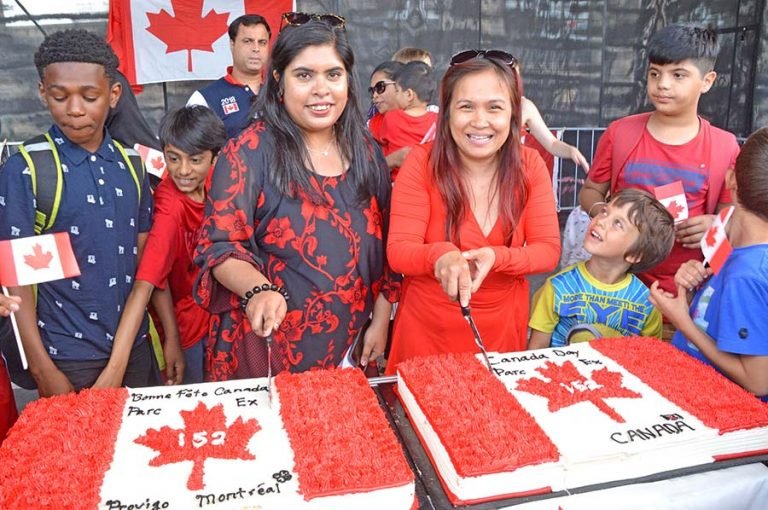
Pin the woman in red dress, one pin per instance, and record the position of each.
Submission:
(472, 215)
(292, 243)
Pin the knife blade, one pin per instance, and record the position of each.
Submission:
(269, 369)
(466, 312)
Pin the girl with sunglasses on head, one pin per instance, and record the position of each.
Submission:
(293, 245)
(472, 215)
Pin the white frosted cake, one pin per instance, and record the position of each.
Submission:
(553, 419)
(324, 443)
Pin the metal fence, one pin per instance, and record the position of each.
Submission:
(567, 177)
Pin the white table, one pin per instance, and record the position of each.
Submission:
(735, 488)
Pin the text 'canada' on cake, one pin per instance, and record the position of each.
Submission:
(585, 414)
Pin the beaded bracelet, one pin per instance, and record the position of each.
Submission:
(262, 288)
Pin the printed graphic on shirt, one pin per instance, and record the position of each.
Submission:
(578, 300)
(620, 314)
(229, 105)
(648, 174)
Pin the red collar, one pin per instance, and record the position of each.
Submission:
(231, 79)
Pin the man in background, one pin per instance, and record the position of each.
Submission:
(231, 96)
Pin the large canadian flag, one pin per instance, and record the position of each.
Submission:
(37, 259)
(172, 40)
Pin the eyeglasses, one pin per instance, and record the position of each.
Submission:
(500, 55)
(379, 87)
(296, 19)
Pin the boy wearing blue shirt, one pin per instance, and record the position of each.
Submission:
(726, 324)
(630, 234)
(105, 206)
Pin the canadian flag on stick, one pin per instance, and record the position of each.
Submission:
(37, 259)
(715, 245)
(672, 196)
(154, 160)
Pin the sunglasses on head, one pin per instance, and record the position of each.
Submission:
(379, 87)
(296, 19)
(467, 55)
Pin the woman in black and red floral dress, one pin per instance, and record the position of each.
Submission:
(297, 207)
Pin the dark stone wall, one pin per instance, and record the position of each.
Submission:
(583, 61)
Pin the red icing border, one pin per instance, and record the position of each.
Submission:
(482, 425)
(690, 384)
(79, 465)
(455, 500)
(341, 439)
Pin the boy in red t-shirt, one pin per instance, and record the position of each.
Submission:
(413, 123)
(670, 144)
(191, 138)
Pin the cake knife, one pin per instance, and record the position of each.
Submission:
(269, 369)
(465, 311)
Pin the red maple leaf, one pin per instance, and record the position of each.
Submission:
(38, 259)
(712, 236)
(205, 435)
(158, 163)
(187, 29)
(567, 386)
(675, 209)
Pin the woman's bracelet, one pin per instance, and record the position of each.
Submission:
(264, 287)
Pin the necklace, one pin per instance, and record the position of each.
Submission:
(323, 152)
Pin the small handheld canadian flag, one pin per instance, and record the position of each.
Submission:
(715, 245)
(672, 196)
(153, 159)
(35, 259)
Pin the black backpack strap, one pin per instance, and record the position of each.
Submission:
(45, 170)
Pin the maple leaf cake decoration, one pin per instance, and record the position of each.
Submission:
(205, 435)
(613, 409)
(321, 442)
(566, 386)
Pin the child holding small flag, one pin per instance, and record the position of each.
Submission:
(103, 207)
(672, 145)
(191, 138)
(9, 304)
(725, 326)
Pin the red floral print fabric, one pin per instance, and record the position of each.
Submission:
(329, 256)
